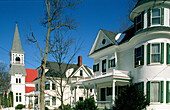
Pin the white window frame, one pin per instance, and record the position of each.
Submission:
(156, 17)
(155, 53)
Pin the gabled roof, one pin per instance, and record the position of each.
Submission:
(31, 75)
(110, 35)
(54, 69)
(16, 46)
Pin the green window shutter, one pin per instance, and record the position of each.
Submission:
(167, 91)
(135, 24)
(142, 84)
(142, 19)
(148, 90)
(162, 16)
(94, 68)
(168, 53)
(149, 17)
(109, 63)
(148, 54)
(97, 67)
(135, 62)
(162, 53)
(162, 91)
(142, 60)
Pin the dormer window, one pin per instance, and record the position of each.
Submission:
(156, 17)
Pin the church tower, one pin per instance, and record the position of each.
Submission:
(17, 70)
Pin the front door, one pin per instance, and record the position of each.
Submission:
(103, 94)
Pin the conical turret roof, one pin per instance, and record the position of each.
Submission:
(16, 46)
(140, 2)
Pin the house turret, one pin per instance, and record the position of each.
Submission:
(151, 13)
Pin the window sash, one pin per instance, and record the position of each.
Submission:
(155, 53)
(156, 16)
(113, 62)
(138, 56)
(47, 85)
(53, 100)
(155, 92)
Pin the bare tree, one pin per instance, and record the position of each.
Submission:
(4, 79)
(125, 22)
(55, 18)
(63, 50)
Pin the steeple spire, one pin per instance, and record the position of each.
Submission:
(16, 46)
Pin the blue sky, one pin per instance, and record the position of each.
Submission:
(91, 15)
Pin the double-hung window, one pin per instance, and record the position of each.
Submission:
(47, 85)
(139, 56)
(155, 92)
(96, 67)
(156, 16)
(155, 53)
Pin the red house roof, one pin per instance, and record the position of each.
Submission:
(31, 75)
(29, 89)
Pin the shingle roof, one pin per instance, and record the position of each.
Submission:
(140, 2)
(54, 69)
(20, 69)
(110, 35)
(16, 46)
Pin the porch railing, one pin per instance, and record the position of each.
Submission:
(103, 104)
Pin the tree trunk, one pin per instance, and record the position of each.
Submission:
(42, 80)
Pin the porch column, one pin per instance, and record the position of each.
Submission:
(95, 93)
(33, 101)
(71, 96)
(113, 91)
(75, 95)
(84, 93)
(87, 92)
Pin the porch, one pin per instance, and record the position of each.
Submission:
(107, 87)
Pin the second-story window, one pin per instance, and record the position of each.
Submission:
(96, 67)
(139, 56)
(53, 86)
(155, 53)
(36, 87)
(47, 85)
(104, 65)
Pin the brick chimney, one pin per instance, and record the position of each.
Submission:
(79, 60)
